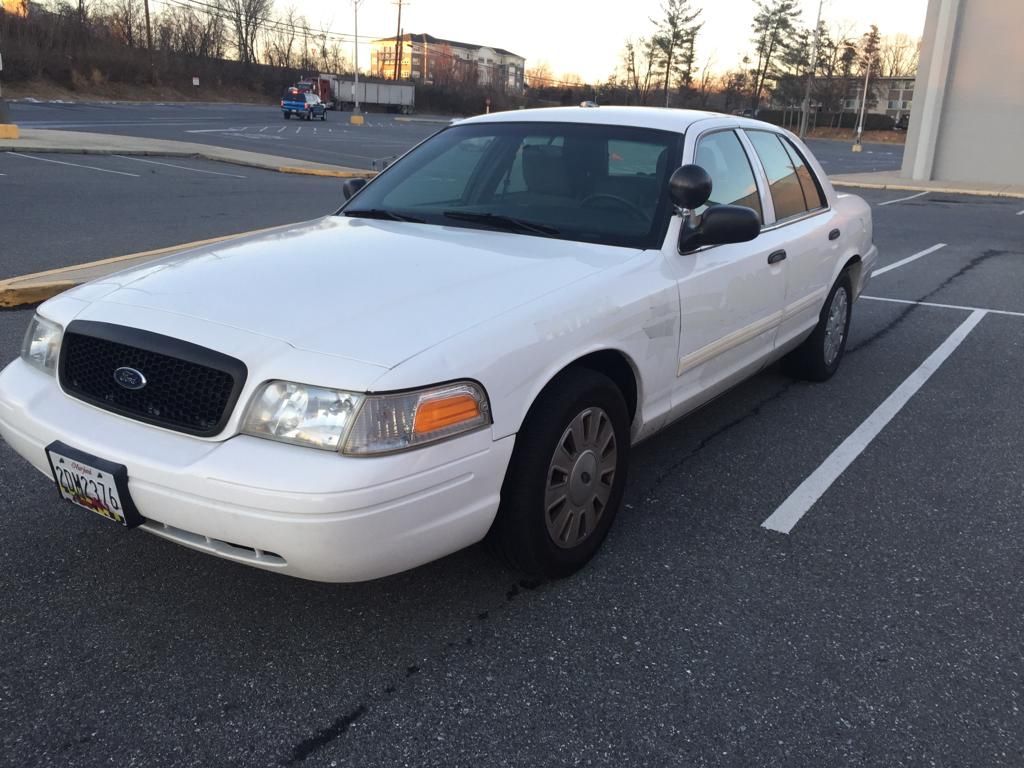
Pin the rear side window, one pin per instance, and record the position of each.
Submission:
(732, 179)
(783, 180)
(813, 195)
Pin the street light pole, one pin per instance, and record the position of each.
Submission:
(806, 111)
(863, 103)
(355, 47)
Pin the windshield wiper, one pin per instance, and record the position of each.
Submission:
(498, 221)
(381, 213)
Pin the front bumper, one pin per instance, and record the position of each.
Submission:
(299, 511)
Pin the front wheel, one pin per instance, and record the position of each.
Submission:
(818, 358)
(565, 481)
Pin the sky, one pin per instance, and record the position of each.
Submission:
(587, 38)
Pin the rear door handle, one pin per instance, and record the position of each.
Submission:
(776, 257)
(833, 235)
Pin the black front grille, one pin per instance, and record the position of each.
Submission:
(187, 388)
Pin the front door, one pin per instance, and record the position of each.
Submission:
(731, 296)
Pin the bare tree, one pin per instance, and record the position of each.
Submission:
(539, 75)
(126, 21)
(639, 60)
(247, 19)
(899, 55)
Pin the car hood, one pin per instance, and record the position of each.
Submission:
(372, 291)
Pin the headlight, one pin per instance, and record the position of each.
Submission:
(296, 413)
(395, 422)
(364, 425)
(42, 344)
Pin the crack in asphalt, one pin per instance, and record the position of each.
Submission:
(904, 313)
(341, 725)
(325, 736)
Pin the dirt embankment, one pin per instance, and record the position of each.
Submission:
(847, 134)
(44, 90)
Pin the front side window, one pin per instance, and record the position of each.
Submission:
(732, 179)
(592, 183)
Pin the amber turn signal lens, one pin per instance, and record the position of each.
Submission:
(442, 412)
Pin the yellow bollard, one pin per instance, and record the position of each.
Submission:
(8, 131)
(356, 120)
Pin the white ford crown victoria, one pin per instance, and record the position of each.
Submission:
(467, 349)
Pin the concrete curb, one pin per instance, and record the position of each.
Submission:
(46, 141)
(911, 187)
(40, 286)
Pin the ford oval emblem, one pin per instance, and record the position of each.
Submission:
(129, 378)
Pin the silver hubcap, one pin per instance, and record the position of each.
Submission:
(835, 325)
(580, 478)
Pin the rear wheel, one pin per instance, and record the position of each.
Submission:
(565, 482)
(287, 115)
(818, 358)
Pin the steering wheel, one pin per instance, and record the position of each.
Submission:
(632, 208)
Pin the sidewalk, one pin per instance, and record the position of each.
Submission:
(78, 142)
(892, 180)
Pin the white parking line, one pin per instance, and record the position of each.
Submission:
(1019, 213)
(960, 307)
(902, 199)
(280, 129)
(820, 480)
(76, 165)
(264, 128)
(182, 167)
(902, 262)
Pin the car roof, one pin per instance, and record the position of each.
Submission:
(641, 117)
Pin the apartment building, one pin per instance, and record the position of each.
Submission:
(434, 59)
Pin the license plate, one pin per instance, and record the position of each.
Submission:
(93, 483)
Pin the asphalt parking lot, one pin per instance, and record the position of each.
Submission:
(62, 209)
(383, 137)
(242, 126)
(885, 629)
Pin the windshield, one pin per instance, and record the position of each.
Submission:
(593, 183)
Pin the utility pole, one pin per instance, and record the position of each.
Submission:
(149, 43)
(806, 112)
(398, 44)
(863, 103)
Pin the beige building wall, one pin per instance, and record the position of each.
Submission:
(967, 120)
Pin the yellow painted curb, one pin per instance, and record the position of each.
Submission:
(356, 120)
(322, 172)
(8, 131)
(48, 283)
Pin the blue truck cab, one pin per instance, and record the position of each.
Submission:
(304, 104)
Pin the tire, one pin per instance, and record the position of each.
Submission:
(580, 413)
(323, 116)
(818, 357)
(287, 115)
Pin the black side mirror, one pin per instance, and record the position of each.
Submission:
(689, 187)
(719, 225)
(351, 186)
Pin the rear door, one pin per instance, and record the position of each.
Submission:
(731, 296)
(806, 227)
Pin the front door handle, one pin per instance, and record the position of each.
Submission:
(833, 235)
(776, 257)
